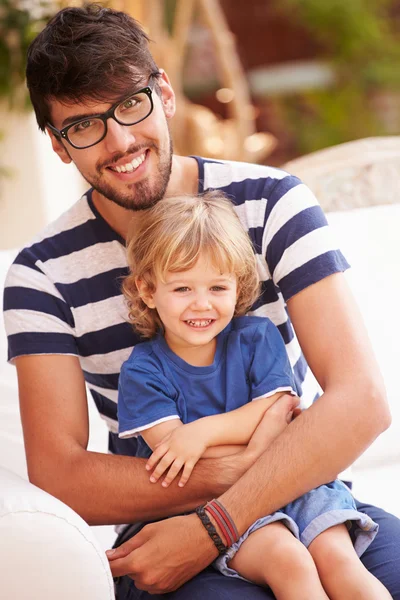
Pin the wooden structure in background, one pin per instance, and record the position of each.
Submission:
(196, 129)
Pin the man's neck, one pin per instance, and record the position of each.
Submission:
(184, 180)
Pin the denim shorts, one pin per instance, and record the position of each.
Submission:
(308, 516)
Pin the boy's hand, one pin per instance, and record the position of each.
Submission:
(273, 423)
(181, 448)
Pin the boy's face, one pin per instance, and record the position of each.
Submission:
(146, 146)
(194, 307)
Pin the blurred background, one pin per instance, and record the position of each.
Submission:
(263, 81)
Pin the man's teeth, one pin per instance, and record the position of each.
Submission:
(199, 323)
(134, 164)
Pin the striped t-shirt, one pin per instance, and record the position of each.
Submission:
(62, 294)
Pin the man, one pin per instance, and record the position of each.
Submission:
(105, 105)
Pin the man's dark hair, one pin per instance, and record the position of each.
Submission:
(85, 53)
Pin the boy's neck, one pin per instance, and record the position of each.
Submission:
(196, 356)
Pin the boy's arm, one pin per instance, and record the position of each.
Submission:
(156, 434)
(184, 445)
(236, 426)
(231, 428)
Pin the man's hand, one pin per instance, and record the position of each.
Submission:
(181, 448)
(164, 555)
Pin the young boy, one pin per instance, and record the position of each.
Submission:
(207, 378)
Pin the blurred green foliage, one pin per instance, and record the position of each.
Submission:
(360, 39)
(20, 22)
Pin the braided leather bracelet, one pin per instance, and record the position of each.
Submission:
(212, 532)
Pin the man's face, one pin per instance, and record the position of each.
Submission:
(131, 166)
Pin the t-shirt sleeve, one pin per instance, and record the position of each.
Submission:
(298, 244)
(270, 370)
(37, 319)
(145, 398)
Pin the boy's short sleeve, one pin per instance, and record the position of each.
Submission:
(145, 398)
(270, 370)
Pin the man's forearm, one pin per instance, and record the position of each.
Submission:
(110, 489)
(313, 450)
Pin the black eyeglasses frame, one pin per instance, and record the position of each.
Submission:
(109, 114)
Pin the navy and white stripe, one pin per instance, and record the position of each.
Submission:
(62, 294)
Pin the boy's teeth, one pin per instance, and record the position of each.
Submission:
(129, 167)
(199, 323)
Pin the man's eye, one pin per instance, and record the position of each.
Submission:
(83, 125)
(130, 103)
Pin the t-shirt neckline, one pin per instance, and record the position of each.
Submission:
(185, 366)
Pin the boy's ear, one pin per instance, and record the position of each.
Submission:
(144, 293)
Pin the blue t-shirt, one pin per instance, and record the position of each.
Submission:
(156, 385)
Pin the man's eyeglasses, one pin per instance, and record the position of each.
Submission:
(91, 130)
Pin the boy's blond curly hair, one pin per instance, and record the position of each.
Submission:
(170, 236)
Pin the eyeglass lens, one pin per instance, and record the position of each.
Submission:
(130, 111)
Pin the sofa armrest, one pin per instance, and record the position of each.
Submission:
(47, 550)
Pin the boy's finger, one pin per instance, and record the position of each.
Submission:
(187, 471)
(162, 466)
(155, 457)
(173, 472)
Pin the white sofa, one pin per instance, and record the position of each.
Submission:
(46, 549)
(61, 557)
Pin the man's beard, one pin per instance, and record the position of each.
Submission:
(141, 194)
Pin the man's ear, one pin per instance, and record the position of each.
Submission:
(59, 147)
(167, 94)
(144, 293)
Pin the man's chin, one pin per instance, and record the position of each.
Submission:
(142, 198)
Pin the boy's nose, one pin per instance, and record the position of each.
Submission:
(202, 302)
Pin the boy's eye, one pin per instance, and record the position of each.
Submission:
(181, 289)
(218, 288)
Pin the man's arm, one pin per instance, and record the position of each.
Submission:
(102, 488)
(336, 429)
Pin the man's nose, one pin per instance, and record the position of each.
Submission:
(119, 137)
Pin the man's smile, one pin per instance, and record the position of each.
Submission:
(129, 166)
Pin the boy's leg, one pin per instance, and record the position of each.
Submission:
(382, 557)
(342, 573)
(272, 556)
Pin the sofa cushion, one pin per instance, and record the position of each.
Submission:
(61, 557)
